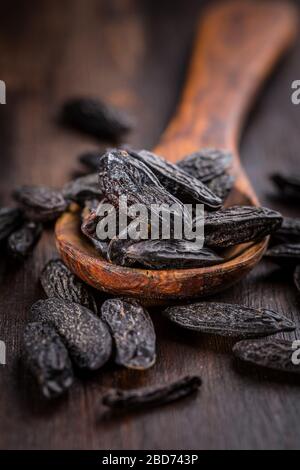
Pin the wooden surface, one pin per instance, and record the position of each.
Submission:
(133, 53)
(236, 45)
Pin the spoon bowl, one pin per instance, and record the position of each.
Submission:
(236, 47)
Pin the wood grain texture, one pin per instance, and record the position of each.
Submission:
(44, 58)
(235, 48)
(227, 69)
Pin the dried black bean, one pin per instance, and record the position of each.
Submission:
(285, 254)
(90, 222)
(228, 320)
(91, 159)
(22, 242)
(239, 224)
(288, 185)
(221, 186)
(47, 359)
(127, 400)
(90, 206)
(116, 251)
(206, 164)
(89, 230)
(83, 188)
(272, 354)
(124, 176)
(133, 332)
(10, 219)
(179, 183)
(96, 118)
(289, 232)
(297, 277)
(85, 335)
(161, 254)
(40, 203)
(58, 281)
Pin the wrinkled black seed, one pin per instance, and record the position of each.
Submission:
(58, 281)
(47, 359)
(85, 335)
(83, 188)
(90, 223)
(221, 186)
(289, 232)
(116, 251)
(206, 164)
(179, 183)
(135, 399)
(133, 333)
(287, 185)
(91, 159)
(96, 118)
(10, 219)
(161, 254)
(90, 206)
(121, 175)
(22, 241)
(40, 203)
(228, 320)
(272, 354)
(285, 254)
(297, 277)
(239, 224)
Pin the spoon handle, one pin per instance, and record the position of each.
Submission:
(236, 47)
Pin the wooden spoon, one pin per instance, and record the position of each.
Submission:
(236, 47)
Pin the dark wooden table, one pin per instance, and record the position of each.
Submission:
(133, 54)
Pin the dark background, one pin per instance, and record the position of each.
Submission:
(133, 54)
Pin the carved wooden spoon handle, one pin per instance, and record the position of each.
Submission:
(236, 47)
